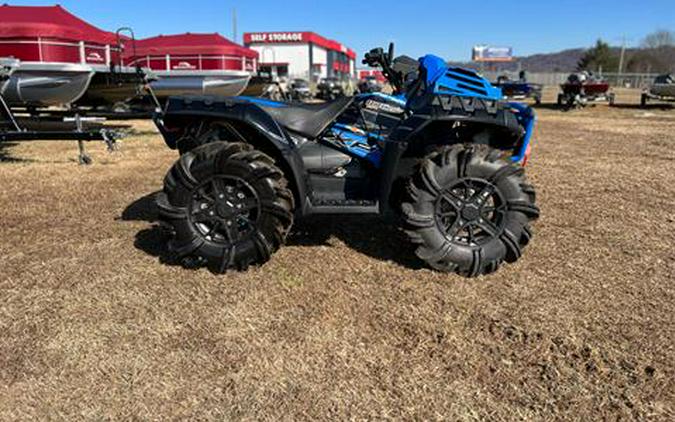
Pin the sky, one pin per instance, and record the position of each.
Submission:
(447, 28)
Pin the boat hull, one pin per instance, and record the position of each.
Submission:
(587, 89)
(200, 83)
(109, 88)
(663, 90)
(519, 89)
(47, 84)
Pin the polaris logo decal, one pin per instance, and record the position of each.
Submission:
(94, 57)
(387, 108)
(184, 66)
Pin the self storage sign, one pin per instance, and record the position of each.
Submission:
(274, 37)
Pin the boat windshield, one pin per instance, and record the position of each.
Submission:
(664, 79)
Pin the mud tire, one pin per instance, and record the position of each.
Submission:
(477, 171)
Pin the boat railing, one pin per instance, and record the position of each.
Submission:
(199, 62)
(76, 52)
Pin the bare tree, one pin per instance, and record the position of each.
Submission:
(658, 39)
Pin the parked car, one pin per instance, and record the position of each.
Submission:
(299, 90)
(369, 84)
(329, 89)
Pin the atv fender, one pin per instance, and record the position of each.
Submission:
(441, 113)
(448, 110)
(242, 121)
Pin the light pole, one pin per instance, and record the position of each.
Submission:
(234, 25)
(622, 58)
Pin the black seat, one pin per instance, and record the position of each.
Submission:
(308, 120)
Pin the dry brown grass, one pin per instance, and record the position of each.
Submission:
(343, 322)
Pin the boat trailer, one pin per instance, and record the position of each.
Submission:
(11, 130)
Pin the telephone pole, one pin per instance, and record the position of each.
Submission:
(623, 54)
(234, 24)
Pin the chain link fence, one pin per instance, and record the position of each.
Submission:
(624, 80)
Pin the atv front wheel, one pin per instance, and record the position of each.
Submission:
(228, 206)
(469, 210)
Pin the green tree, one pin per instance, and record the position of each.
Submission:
(600, 57)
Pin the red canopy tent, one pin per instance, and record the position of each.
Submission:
(191, 52)
(52, 34)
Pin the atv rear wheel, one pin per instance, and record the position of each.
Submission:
(469, 210)
(228, 206)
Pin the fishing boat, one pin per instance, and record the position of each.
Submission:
(582, 88)
(519, 89)
(197, 64)
(663, 89)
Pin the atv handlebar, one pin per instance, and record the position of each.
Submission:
(374, 57)
(377, 57)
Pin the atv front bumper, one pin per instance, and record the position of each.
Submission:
(528, 119)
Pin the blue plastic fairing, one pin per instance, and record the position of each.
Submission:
(398, 98)
(354, 141)
(527, 118)
(443, 79)
(262, 101)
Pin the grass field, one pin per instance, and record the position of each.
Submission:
(344, 322)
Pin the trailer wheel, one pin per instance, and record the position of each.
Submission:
(228, 205)
(469, 210)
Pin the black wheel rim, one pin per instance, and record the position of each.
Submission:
(471, 212)
(224, 209)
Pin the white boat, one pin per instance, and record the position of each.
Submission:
(47, 84)
(194, 64)
(211, 82)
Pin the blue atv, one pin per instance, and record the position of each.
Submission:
(444, 155)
